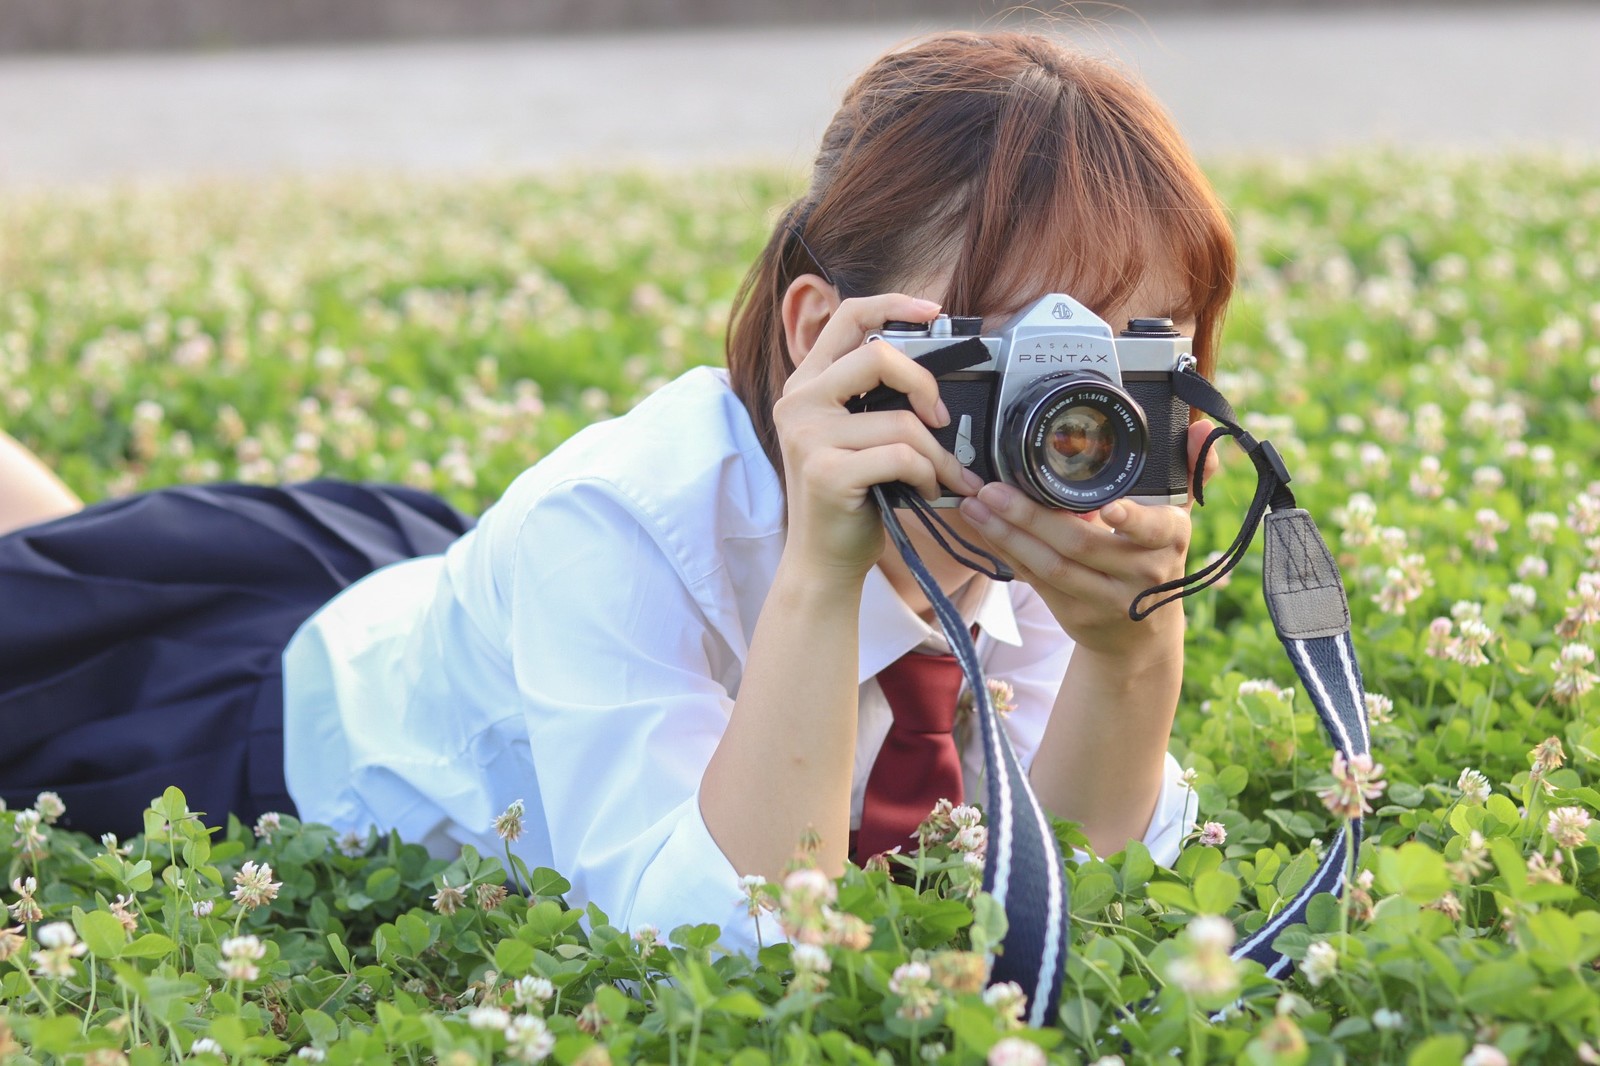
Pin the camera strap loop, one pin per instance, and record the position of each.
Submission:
(1272, 491)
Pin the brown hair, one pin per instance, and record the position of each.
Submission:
(1029, 166)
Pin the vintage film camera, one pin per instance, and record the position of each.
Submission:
(1063, 410)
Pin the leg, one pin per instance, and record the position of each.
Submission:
(29, 491)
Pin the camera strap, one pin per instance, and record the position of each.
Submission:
(1023, 867)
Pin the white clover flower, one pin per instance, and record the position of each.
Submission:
(965, 816)
(202, 908)
(647, 937)
(50, 807)
(1568, 826)
(486, 1017)
(973, 839)
(529, 1039)
(1321, 963)
(1207, 970)
(57, 935)
(1573, 679)
(508, 826)
(1355, 781)
(807, 888)
(1441, 638)
(1210, 932)
(1532, 568)
(255, 885)
(913, 983)
(1380, 709)
(1387, 1020)
(311, 1054)
(449, 899)
(1489, 525)
(532, 991)
(60, 945)
(205, 1046)
(932, 1051)
(1015, 1051)
(1521, 599)
(1008, 1000)
(811, 958)
(1542, 526)
(239, 957)
(1583, 514)
(1469, 649)
(1485, 1055)
(1428, 480)
(1213, 835)
(1474, 787)
(270, 822)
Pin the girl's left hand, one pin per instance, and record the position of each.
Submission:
(1089, 567)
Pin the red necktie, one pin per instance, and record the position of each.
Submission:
(918, 764)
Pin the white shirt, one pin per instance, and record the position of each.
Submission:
(581, 649)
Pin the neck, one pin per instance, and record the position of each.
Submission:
(951, 575)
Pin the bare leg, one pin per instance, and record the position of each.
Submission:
(29, 491)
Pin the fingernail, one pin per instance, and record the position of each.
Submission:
(975, 511)
(973, 481)
(998, 495)
(1114, 512)
(943, 414)
(925, 305)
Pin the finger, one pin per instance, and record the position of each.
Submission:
(853, 319)
(1037, 562)
(881, 363)
(889, 462)
(1198, 432)
(870, 429)
(1156, 526)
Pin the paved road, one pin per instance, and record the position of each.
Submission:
(1240, 83)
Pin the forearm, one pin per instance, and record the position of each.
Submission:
(1100, 762)
(784, 764)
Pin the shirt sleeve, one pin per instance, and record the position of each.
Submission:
(1034, 670)
(613, 660)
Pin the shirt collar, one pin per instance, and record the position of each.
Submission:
(889, 628)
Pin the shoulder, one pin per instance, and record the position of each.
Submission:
(685, 465)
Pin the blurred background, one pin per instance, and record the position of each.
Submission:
(96, 90)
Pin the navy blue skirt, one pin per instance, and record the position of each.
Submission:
(141, 639)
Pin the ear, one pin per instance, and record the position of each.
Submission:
(808, 304)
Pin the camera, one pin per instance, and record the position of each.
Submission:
(1061, 409)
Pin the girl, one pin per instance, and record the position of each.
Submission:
(679, 638)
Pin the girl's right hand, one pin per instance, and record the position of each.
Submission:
(833, 457)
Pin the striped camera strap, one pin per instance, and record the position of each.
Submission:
(1024, 868)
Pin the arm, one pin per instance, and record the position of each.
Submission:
(784, 765)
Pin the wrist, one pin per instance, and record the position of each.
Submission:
(1139, 648)
(812, 587)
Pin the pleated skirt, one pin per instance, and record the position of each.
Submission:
(141, 639)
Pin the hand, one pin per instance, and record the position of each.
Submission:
(1089, 567)
(832, 457)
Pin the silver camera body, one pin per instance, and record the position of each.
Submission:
(1064, 410)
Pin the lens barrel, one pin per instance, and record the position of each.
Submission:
(1075, 441)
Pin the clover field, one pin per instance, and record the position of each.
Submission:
(1421, 339)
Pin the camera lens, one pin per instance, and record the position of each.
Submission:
(1078, 443)
(1075, 441)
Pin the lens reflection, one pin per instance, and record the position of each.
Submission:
(1081, 440)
